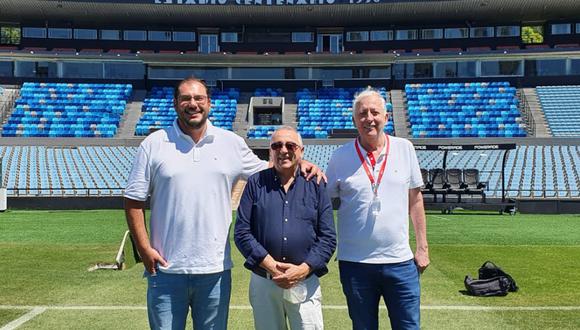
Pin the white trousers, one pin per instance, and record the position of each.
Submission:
(271, 309)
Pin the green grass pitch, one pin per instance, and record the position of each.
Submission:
(45, 255)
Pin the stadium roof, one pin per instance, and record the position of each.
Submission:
(198, 13)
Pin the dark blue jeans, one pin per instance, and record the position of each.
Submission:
(398, 284)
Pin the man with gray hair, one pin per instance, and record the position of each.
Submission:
(378, 181)
(285, 230)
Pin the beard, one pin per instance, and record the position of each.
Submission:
(193, 124)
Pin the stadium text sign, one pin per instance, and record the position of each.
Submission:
(264, 2)
(502, 146)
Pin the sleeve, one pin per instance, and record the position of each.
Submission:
(332, 186)
(139, 182)
(416, 177)
(322, 250)
(250, 162)
(250, 248)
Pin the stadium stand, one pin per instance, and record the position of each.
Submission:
(532, 171)
(320, 154)
(66, 171)
(319, 112)
(67, 110)
(561, 105)
(224, 107)
(158, 112)
(261, 131)
(477, 109)
(559, 177)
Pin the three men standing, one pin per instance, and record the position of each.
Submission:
(285, 228)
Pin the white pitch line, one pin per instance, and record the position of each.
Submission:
(503, 308)
(334, 307)
(438, 217)
(78, 308)
(24, 318)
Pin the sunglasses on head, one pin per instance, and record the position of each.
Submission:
(290, 146)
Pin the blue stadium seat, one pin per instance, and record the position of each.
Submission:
(561, 106)
(477, 109)
(45, 109)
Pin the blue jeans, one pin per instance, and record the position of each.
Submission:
(169, 297)
(398, 284)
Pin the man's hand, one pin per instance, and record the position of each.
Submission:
(422, 259)
(417, 213)
(271, 266)
(135, 213)
(291, 274)
(310, 170)
(150, 258)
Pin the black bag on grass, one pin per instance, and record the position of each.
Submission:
(490, 270)
(495, 286)
(493, 281)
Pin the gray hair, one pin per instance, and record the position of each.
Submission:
(288, 128)
(368, 92)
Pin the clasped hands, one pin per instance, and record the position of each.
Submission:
(285, 275)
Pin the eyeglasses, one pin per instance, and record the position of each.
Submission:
(196, 98)
(290, 146)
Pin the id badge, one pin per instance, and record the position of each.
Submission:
(376, 206)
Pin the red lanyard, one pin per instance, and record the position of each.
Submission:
(370, 175)
(372, 159)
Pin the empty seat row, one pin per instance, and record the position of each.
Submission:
(530, 171)
(86, 110)
(478, 109)
(561, 106)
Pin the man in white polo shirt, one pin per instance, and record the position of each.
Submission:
(378, 181)
(188, 171)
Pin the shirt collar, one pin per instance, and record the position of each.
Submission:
(277, 178)
(208, 136)
(365, 152)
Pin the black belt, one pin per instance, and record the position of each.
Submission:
(262, 273)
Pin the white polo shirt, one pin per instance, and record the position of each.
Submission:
(190, 187)
(362, 237)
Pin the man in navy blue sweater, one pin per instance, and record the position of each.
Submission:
(285, 230)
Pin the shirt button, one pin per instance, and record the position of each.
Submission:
(285, 238)
(283, 258)
(285, 220)
(286, 202)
